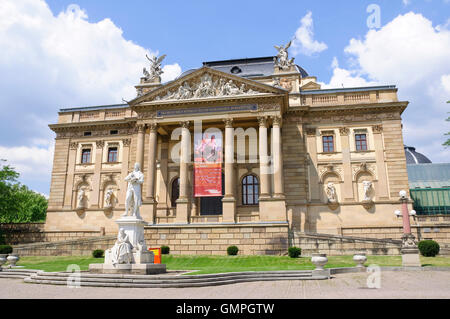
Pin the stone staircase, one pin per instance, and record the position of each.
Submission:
(342, 245)
(16, 273)
(167, 280)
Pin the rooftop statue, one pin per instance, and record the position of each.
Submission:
(282, 60)
(155, 68)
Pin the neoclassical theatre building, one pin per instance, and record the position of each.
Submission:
(293, 157)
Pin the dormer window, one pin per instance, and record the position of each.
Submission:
(235, 70)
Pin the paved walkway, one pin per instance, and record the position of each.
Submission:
(394, 284)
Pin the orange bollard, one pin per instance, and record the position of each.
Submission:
(156, 254)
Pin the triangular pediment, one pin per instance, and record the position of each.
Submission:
(206, 83)
(310, 86)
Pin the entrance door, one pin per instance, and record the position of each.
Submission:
(212, 205)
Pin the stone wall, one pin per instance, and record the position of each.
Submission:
(23, 233)
(259, 239)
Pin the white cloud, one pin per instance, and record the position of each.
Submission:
(406, 2)
(304, 38)
(412, 54)
(50, 61)
(171, 71)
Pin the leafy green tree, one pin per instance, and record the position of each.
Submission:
(18, 204)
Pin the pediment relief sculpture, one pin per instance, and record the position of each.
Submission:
(207, 86)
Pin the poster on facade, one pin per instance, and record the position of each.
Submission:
(208, 164)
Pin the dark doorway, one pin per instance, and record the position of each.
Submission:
(212, 205)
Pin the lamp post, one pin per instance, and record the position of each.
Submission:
(409, 250)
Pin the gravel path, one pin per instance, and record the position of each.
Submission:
(394, 284)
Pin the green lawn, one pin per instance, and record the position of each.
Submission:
(217, 264)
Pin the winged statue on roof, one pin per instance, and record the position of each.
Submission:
(282, 60)
(155, 67)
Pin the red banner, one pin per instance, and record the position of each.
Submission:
(208, 179)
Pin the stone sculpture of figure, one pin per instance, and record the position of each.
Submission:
(133, 198)
(121, 253)
(108, 198)
(331, 193)
(231, 88)
(367, 185)
(282, 61)
(205, 88)
(80, 198)
(155, 68)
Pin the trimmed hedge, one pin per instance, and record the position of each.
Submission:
(98, 253)
(294, 252)
(165, 250)
(428, 248)
(5, 249)
(232, 250)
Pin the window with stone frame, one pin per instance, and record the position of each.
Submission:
(175, 191)
(85, 155)
(250, 190)
(112, 154)
(360, 141)
(328, 143)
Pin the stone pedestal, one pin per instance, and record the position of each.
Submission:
(410, 252)
(229, 210)
(141, 259)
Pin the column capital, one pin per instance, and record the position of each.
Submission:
(126, 141)
(344, 131)
(153, 127)
(73, 145)
(228, 122)
(140, 128)
(100, 144)
(185, 124)
(310, 131)
(262, 121)
(377, 129)
(276, 120)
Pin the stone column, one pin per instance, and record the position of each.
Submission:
(183, 202)
(263, 159)
(410, 252)
(162, 176)
(140, 145)
(94, 199)
(382, 184)
(347, 192)
(152, 161)
(229, 200)
(313, 176)
(68, 194)
(124, 171)
(278, 182)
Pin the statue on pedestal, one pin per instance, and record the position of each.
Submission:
(80, 199)
(367, 185)
(282, 60)
(121, 253)
(331, 193)
(109, 198)
(133, 198)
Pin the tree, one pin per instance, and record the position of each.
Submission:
(18, 204)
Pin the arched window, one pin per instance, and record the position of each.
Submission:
(250, 190)
(175, 191)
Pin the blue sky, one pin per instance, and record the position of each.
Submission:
(59, 53)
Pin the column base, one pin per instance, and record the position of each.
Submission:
(182, 211)
(272, 209)
(229, 210)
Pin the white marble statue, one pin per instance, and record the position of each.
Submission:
(122, 251)
(109, 198)
(80, 198)
(331, 193)
(155, 67)
(133, 198)
(367, 186)
(282, 60)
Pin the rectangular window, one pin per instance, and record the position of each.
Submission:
(112, 154)
(87, 134)
(86, 155)
(328, 143)
(361, 142)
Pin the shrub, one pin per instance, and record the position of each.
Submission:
(98, 253)
(2, 238)
(294, 252)
(429, 248)
(232, 250)
(5, 249)
(165, 250)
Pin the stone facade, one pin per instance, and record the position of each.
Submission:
(289, 118)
